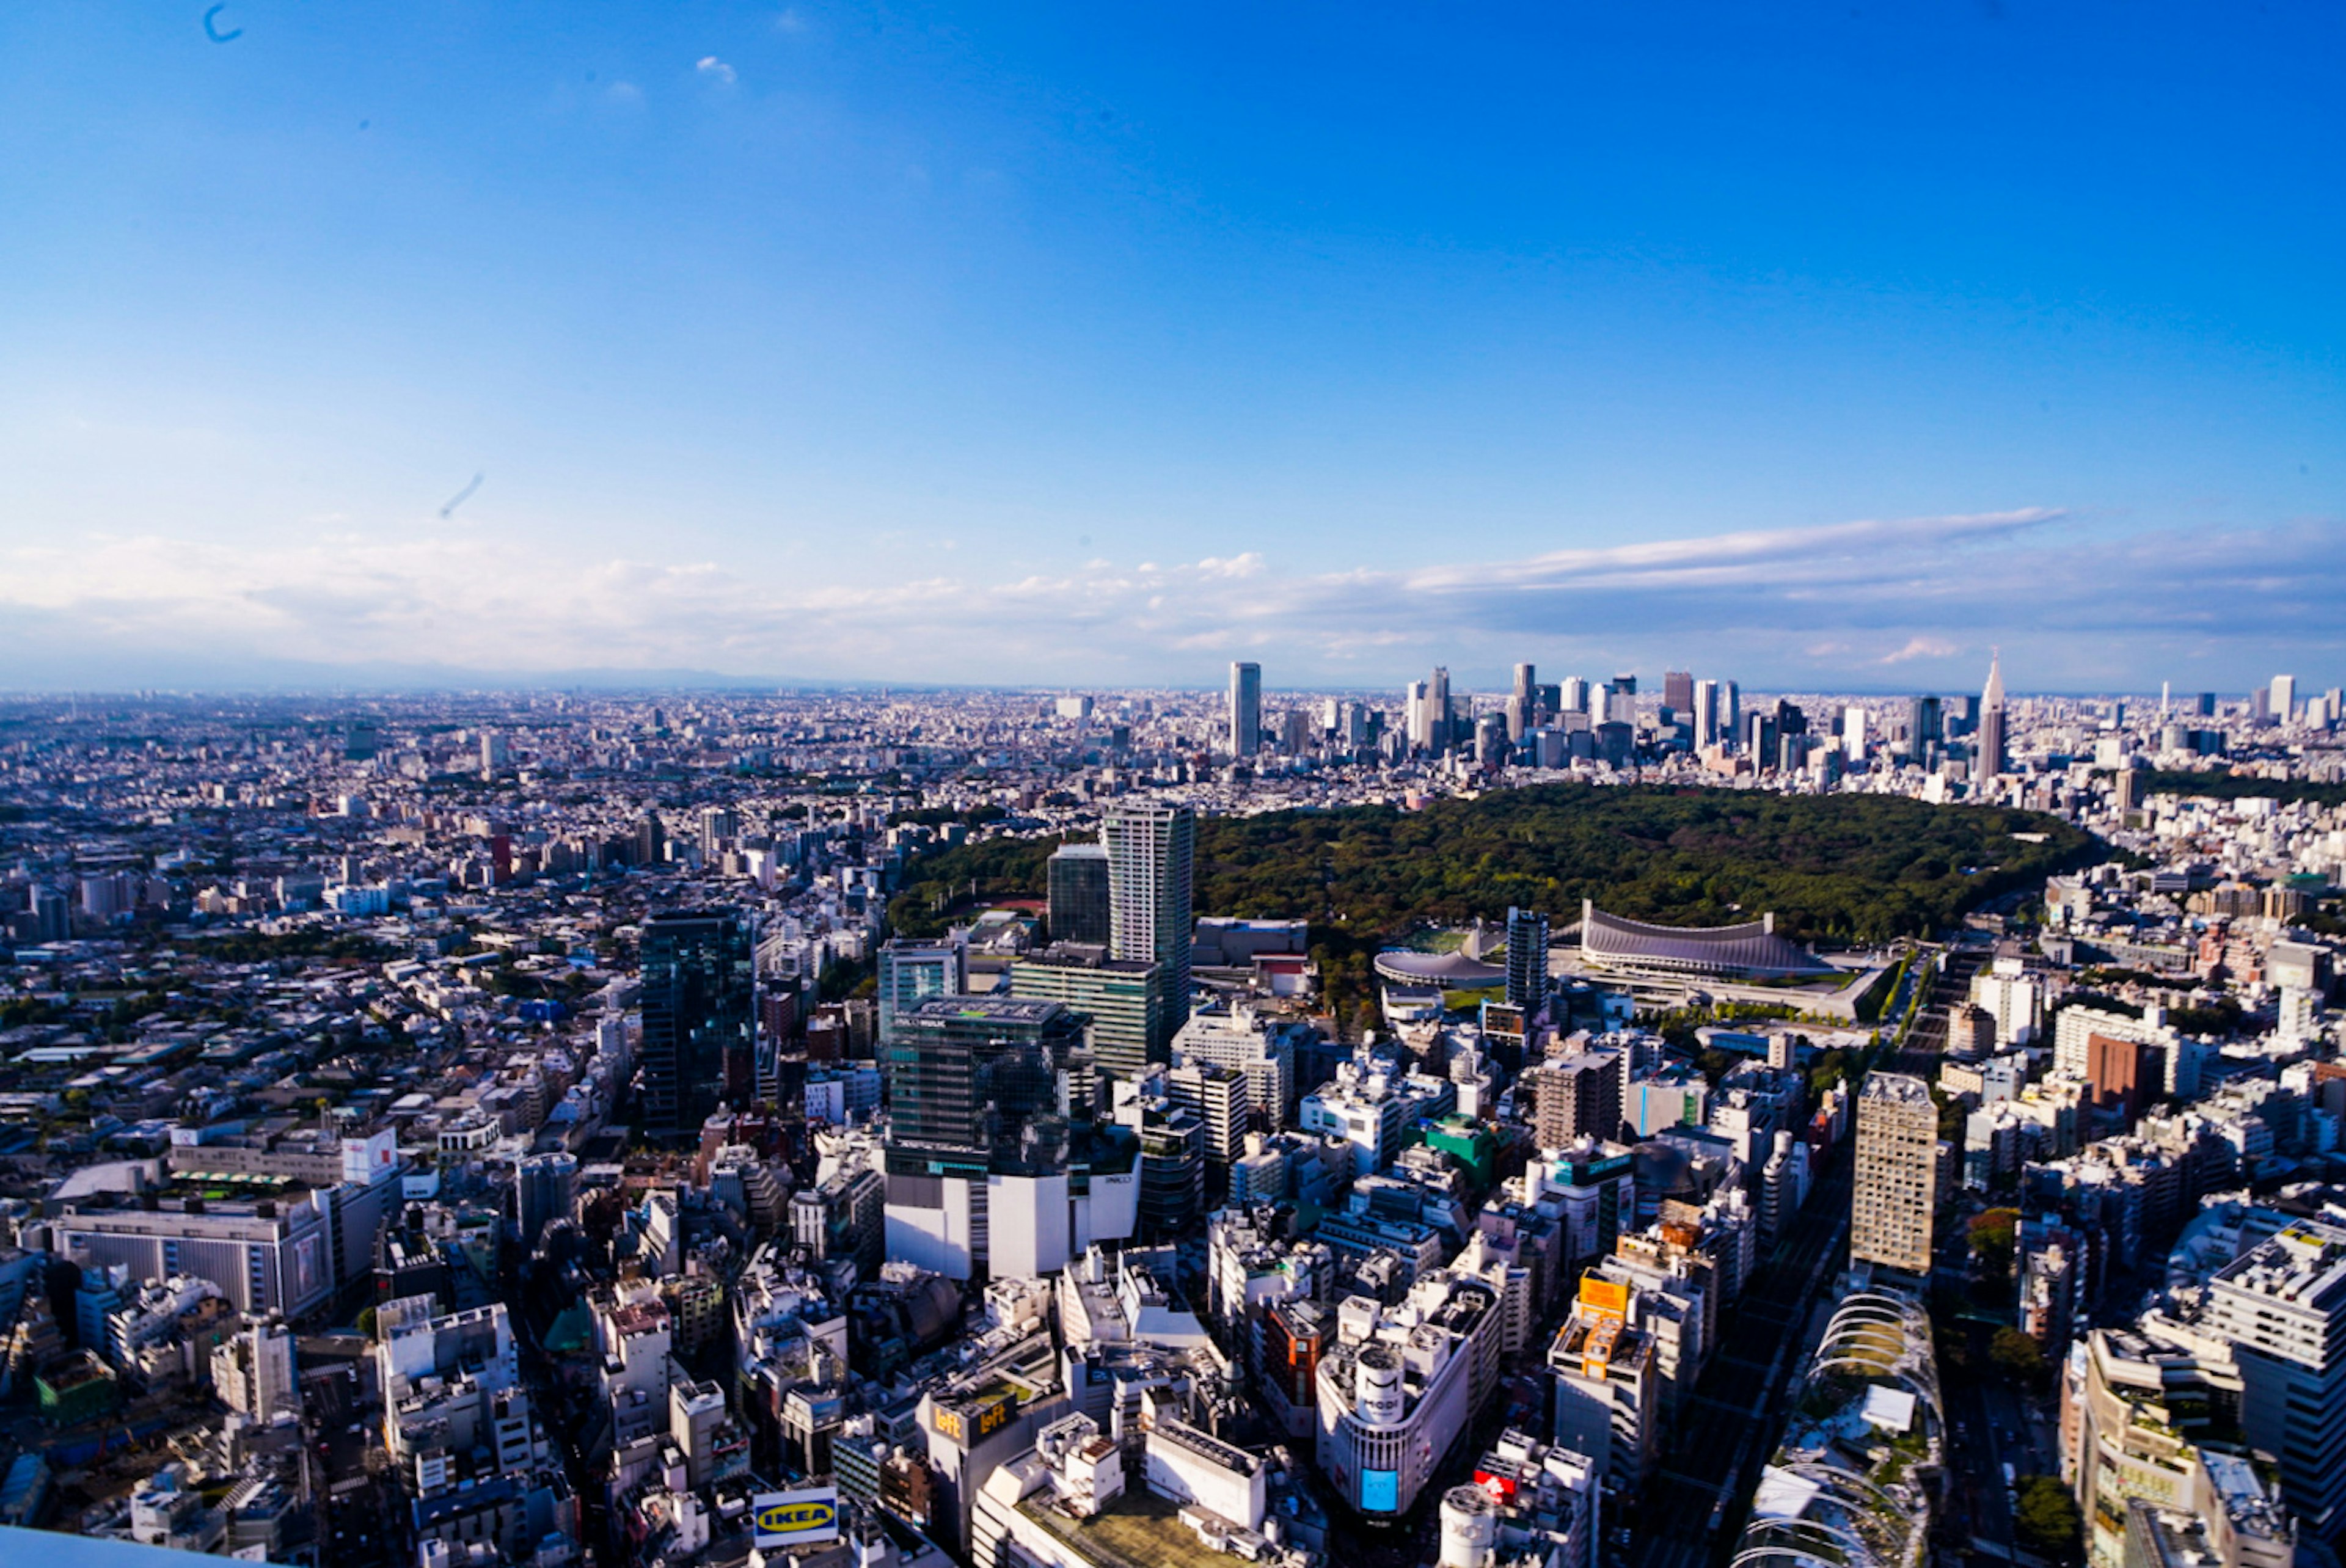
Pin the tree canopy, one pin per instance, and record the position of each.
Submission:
(1832, 868)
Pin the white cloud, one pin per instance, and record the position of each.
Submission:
(1921, 647)
(1807, 604)
(716, 70)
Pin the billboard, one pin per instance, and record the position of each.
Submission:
(1380, 1492)
(792, 1519)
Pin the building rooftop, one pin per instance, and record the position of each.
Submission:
(1140, 1530)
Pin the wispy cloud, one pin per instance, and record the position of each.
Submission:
(1815, 604)
(1921, 647)
(716, 70)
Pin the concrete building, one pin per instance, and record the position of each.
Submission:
(2282, 1305)
(1895, 1194)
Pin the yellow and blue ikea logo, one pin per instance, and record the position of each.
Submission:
(796, 1518)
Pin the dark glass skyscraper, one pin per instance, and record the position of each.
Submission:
(699, 997)
(1077, 875)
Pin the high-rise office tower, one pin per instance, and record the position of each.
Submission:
(1923, 727)
(1526, 960)
(1705, 714)
(1151, 854)
(1525, 687)
(1621, 699)
(1574, 698)
(699, 985)
(1988, 756)
(1852, 733)
(910, 972)
(1077, 876)
(1246, 708)
(1678, 690)
(1897, 1174)
(1414, 728)
(1440, 728)
(2284, 698)
(1731, 710)
(2204, 705)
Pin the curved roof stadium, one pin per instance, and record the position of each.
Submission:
(1449, 970)
(1750, 950)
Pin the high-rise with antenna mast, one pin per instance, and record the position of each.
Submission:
(1988, 756)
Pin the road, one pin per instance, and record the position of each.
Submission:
(1737, 1414)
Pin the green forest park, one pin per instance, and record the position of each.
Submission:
(1836, 868)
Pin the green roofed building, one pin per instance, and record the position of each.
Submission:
(1471, 1143)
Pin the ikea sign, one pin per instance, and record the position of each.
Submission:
(796, 1518)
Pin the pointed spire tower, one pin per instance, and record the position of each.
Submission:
(1988, 758)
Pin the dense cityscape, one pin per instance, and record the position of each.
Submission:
(890, 1127)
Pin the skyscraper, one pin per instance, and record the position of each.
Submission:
(1077, 880)
(1707, 732)
(1988, 756)
(1246, 708)
(1414, 723)
(1526, 686)
(1574, 698)
(1526, 960)
(1151, 852)
(2284, 698)
(1678, 690)
(1621, 699)
(1439, 729)
(1897, 1174)
(699, 983)
(1731, 710)
(1923, 727)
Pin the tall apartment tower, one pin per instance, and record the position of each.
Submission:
(1077, 876)
(1897, 1174)
(1246, 708)
(698, 991)
(1151, 854)
(1526, 960)
(1988, 755)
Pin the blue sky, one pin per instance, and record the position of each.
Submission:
(1810, 345)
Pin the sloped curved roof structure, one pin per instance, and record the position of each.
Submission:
(1449, 970)
(1751, 951)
